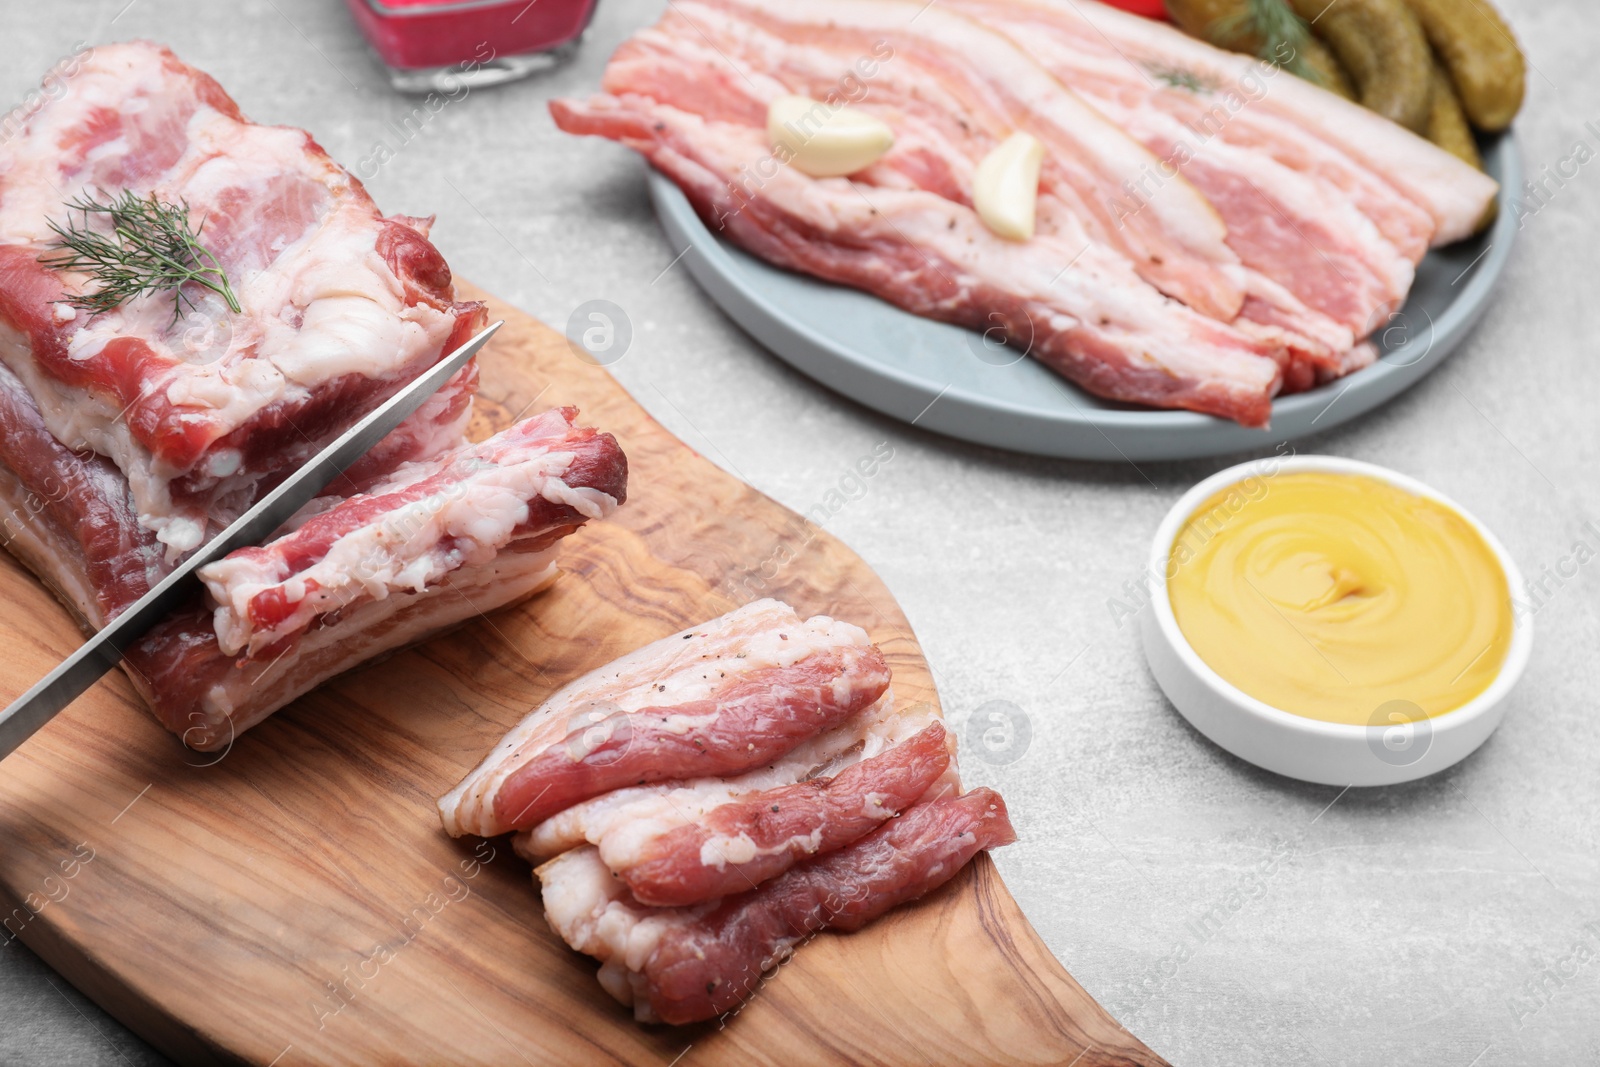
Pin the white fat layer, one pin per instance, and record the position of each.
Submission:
(590, 909)
(721, 850)
(688, 666)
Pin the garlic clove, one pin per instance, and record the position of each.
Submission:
(826, 141)
(1005, 186)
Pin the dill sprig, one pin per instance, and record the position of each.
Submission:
(150, 248)
(1276, 26)
(1179, 78)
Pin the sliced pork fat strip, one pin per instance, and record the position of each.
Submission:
(1151, 215)
(728, 696)
(1072, 301)
(681, 965)
(667, 805)
(341, 305)
(1299, 124)
(742, 843)
(1328, 271)
(952, 91)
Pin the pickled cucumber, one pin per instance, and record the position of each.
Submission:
(1381, 46)
(1447, 122)
(1322, 68)
(1481, 55)
(1267, 29)
(1448, 128)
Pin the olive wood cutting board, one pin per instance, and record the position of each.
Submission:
(295, 901)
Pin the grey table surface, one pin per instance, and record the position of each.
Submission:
(1452, 922)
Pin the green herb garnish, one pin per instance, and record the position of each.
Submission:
(1179, 78)
(150, 248)
(1278, 29)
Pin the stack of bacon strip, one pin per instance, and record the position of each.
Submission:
(130, 437)
(1210, 234)
(704, 804)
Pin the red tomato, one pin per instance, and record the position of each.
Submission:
(1150, 9)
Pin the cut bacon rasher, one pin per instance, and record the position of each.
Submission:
(1330, 230)
(523, 489)
(1078, 296)
(722, 698)
(752, 837)
(664, 806)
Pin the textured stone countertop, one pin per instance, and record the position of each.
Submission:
(1405, 925)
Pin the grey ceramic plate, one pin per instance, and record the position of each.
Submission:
(945, 379)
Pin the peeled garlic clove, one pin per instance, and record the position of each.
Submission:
(826, 141)
(1005, 187)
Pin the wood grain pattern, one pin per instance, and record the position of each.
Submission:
(226, 899)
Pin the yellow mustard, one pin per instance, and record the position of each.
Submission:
(1329, 595)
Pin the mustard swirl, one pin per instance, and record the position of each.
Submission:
(1329, 595)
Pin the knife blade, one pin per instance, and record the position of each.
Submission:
(102, 652)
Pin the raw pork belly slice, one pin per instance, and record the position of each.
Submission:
(437, 543)
(1171, 234)
(737, 845)
(952, 91)
(522, 489)
(1288, 220)
(682, 965)
(685, 884)
(1071, 298)
(341, 306)
(723, 698)
(1296, 123)
(1331, 238)
(667, 805)
(1327, 272)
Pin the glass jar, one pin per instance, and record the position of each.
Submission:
(431, 45)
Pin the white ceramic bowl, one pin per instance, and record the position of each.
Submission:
(1293, 745)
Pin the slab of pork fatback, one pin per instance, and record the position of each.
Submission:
(133, 435)
(341, 306)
